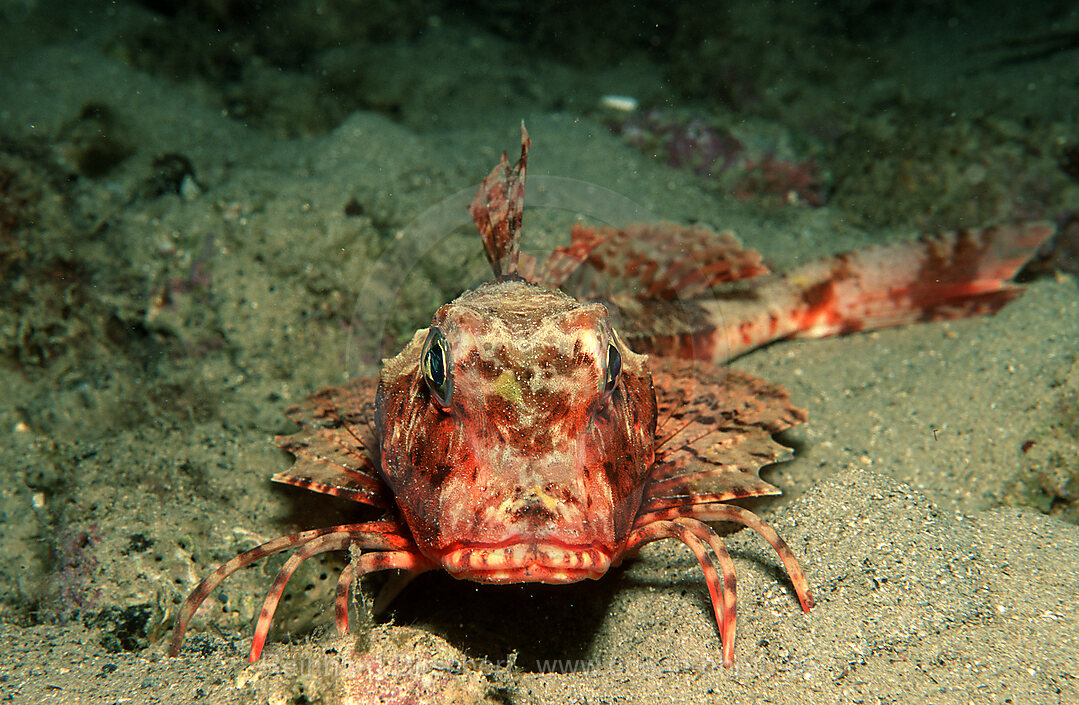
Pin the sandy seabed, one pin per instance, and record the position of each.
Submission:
(175, 275)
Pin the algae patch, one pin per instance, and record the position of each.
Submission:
(1049, 475)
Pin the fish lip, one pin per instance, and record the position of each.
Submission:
(527, 562)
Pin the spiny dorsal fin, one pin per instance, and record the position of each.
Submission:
(498, 208)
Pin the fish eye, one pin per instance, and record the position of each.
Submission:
(437, 370)
(614, 368)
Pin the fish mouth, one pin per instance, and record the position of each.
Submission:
(528, 562)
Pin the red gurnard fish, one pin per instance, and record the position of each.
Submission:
(525, 436)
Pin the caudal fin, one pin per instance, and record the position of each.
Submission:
(951, 275)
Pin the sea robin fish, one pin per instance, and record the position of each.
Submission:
(524, 436)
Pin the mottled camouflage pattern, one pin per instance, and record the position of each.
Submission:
(499, 208)
(715, 300)
(534, 471)
(533, 447)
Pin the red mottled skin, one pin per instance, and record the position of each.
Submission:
(521, 457)
(519, 438)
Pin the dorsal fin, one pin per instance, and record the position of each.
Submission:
(498, 208)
